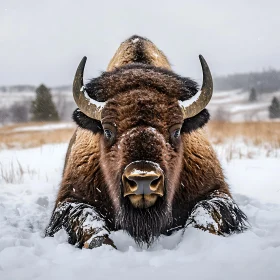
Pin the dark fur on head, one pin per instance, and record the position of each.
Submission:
(140, 76)
(85, 122)
(195, 122)
(95, 126)
(140, 55)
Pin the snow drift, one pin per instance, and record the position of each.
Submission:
(26, 203)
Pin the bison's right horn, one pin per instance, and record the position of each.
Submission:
(87, 105)
(197, 103)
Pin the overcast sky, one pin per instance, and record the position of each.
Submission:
(43, 41)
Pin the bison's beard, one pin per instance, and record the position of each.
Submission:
(144, 225)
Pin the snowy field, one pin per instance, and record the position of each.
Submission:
(44, 127)
(233, 103)
(29, 182)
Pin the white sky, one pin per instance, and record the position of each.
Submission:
(44, 40)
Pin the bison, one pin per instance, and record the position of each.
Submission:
(139, 160)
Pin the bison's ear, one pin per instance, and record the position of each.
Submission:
(196, 121)
(85, 122)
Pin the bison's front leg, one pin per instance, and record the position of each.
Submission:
(84, 226)
(218, 214)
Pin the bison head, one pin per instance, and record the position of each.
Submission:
(141, 112)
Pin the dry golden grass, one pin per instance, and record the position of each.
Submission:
(256, 133)
(13, 173)
(10, 139)
(245, 140)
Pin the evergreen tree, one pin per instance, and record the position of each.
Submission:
(43, 108)
(253, 95)
(274, 108)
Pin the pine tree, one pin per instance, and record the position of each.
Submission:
(274, 108)
(253, 95)
(43, 108)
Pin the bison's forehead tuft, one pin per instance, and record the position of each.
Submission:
(141, 76)
(142, 107)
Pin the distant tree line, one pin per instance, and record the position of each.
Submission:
(17, 88)
(24, 88)
(263, 82)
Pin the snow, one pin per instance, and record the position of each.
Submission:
(236, 107)
(249, 107)
(188, 102)
(26, 204)
(99, 105)
(45, 127)
(154, 164)
(155, 55)
(203, 218)
(142, 172)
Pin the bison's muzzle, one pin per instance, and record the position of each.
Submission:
(143, 183)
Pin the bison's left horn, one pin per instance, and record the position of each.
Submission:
(87, 105)
(197, 103)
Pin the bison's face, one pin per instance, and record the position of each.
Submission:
(141, 112)
(141, 150)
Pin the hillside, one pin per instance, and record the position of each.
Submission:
(230, 105)
(266, 81)
(235, 106)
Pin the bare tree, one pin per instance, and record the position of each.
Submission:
(4, 115)
(19, 112)
(221, 115)
(61, 105)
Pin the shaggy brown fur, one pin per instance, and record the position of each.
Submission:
(140, 76)
(138, 49)
(142, 104)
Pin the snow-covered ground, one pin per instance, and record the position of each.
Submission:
(234, 106)
(44, 127)
(27, 199)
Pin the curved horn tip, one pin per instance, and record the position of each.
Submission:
(82, 63)
(84, 59)
(205, 93)
(201, 57)
(202, 60)
(91, 108)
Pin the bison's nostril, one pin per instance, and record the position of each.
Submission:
(155, 183)
(131, 184)
(138, 184)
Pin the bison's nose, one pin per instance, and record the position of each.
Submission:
(143, 178)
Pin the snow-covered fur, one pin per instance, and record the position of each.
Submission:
(219, 214)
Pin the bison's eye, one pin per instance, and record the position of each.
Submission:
(175, 132)
(109, 133)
